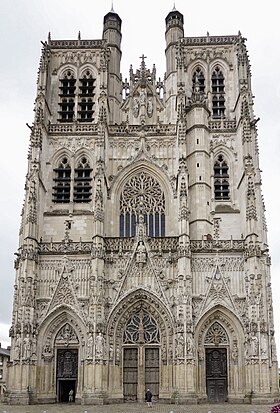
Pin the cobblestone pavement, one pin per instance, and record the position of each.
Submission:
(137, 408)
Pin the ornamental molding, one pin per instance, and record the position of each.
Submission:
(73, 143)
(121, 245)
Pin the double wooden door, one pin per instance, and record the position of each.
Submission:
(216, 374)
(140, 372)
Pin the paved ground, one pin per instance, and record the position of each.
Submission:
(137, 408)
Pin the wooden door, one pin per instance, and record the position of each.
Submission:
(152, 371)
(67, 373)
(216, 375)
(130, 374)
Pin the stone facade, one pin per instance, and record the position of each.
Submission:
(143, 257)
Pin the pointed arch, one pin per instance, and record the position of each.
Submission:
(67, 91)
(135, 188)
(56, 321)
(198, 79)
(142, 194)
(87, 87)
(62, 180)
(82, 180)
(218, 92)
(221, 178)
(226, 319)
(131, 304)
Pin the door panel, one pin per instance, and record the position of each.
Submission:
(130, 374)
(216, 374)
(152, 371)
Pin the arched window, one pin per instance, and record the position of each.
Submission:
(82, 181)
(216, 335)
(143, 195)
(221, 179)
(218, 93)
(141, 328)
(198, 79)
(67, 96)
(62, 181)
(86, 97)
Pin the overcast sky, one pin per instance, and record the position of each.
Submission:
(25, 23)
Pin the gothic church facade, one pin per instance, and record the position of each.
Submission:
(143, 258)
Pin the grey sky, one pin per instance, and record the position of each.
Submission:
(24, 23)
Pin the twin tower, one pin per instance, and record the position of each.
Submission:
(143, 258)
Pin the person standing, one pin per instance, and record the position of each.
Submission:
(71, 396)
(148, 397)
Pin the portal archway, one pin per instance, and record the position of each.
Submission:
(220, 349)
(141, 329)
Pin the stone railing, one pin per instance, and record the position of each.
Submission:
(122, 245)
(73, 128)
(222, 124)
(135, 129)
(76, 44)
(202, 40)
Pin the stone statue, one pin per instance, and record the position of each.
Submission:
(90, 346)
(27, 347)
(263, 345)
(135, 107)
(141, 253)
(150, 107)
(17, 348)
(254, 345)
(99, 346)
(180, 346)
(189, 345)
(142, 98)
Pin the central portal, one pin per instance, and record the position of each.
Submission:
(140, 372)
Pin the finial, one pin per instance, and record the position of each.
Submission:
(79, 35)
(174, 7)
(49, 37)
(112, 7)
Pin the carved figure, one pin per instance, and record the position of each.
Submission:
(27, 347)
(141, 253)
(90, 346)
(234, 353)
(99, 346)
(263, 345)
(189, 345)
(254, 345)
(180, 346)
(150, 107)
(17, 348)
(142, 98)
(135, 107)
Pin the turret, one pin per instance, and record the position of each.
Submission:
(174, 23)
(112, 33)
(112, 24)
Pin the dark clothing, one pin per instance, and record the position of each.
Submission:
(149, 396)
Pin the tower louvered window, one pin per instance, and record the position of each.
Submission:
(142, 195)
(67, 97)
(218, 93)
(86, 98)
(221, 179)
(83, 181)
(198, 79)
(62, 182)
